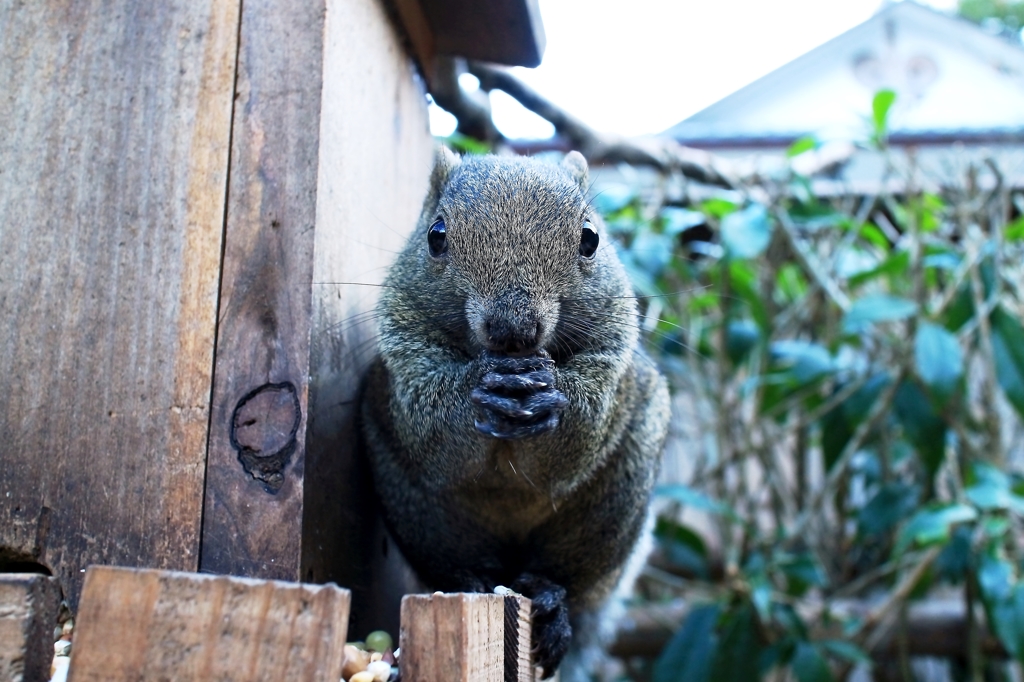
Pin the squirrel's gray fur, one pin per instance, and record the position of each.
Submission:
(543, 487)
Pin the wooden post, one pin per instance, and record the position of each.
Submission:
(136, 624)
(113, 167)
(28, 614)
(465, 638)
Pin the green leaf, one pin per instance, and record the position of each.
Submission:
(717, 207)
(739, 648)
(804, 144)
(1008, 622)
(893, 502)
(1003, 597)
(688, 497)
(677, 220)
(1015, 230)
(683, 546)
(809, 665)
(847, 651)
(939, 360)
(874, 235)
(960, 310)
(740, 338)
(990, 489)
(801, 571)
(955, 558)
(933, 525)
(802, 361)
(745, 234)
(688, 655)
(652, 251)
(838, 425)
(995, 578)
(1008, 354)
(745, 284)
(880, 106)
(877, 308)
(466, 145)
(894, 267)
(922, 425)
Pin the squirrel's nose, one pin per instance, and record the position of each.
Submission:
(503, 336)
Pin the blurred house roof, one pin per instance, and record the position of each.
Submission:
(954, 82)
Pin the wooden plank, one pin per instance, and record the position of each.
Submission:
(456, 637)
(28, 614)
(113, 168)
(518, 633)
(417, 29)
(465, 637)
(374, 163)
(162, 625)
(254, 494)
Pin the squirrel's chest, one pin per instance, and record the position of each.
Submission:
(504, 497)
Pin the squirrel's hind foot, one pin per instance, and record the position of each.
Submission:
(551, 630)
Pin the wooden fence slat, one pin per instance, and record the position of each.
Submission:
(28, 614)
(113, 166)
(136, 624)
(465, 638)
(254, 488)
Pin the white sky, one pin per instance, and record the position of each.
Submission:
(641, 66)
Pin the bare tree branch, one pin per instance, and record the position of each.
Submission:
(472, 113)
(662, 154)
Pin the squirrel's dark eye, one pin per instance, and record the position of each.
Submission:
(437, 240)
(589, 240)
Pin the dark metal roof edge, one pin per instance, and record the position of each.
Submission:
(509, 32)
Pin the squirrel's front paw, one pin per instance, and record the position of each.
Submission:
(518, 397)
(551, 629)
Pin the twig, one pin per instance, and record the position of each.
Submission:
(872, 632)
(661, 154)
(472, 113)
(878, 410)
(810, 267)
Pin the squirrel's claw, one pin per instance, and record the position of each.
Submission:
(518, 397)
(551, 630)
(506, 431)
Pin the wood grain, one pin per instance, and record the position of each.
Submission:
(518, 634)
(161, 625)
(256, 466)
(113, 162)
(28, 614)
(466, 637)
(457, 637)
(374, 164)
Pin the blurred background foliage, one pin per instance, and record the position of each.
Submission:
(858, 365)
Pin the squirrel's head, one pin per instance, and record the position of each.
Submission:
(517, 244)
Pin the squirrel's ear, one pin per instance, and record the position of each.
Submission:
(445, 161)
(577, 167)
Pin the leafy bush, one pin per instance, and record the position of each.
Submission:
(861, 362)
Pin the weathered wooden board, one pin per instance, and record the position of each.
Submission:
(518, 632)
(253, 508)
(162, 625)
(28, 614)
(113, 160)
(466, 638)
(375, 158)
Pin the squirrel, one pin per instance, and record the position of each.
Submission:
(513, 423)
